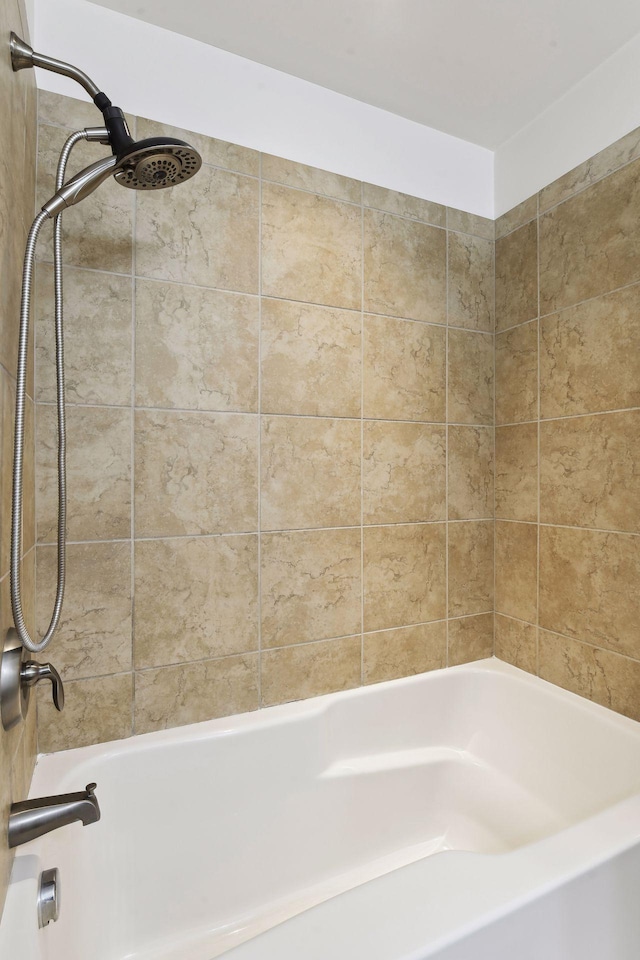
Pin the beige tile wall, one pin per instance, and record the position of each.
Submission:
(568, 430)
(280, 388)
(17, 176)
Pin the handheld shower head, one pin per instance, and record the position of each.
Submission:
(146, 165)
(157, 163)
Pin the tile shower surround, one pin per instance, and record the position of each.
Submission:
(567, 588)
(304, 552)
(280, 451)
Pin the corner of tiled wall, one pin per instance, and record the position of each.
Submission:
(18, 121)
(280, 439)
(568, 430)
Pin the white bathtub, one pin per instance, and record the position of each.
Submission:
(470, 813)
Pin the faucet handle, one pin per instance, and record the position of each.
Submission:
(32, 673)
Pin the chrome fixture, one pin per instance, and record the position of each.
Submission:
(33, 818)
(149, 164)
(48, 897)
(18, 676)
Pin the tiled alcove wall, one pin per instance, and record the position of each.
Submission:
(568, 430)
(280, 387)
(17, 177)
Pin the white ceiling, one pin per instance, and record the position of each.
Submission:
(477, 69)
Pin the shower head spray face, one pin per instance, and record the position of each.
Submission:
(157, 163)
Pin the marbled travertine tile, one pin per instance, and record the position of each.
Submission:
(588, 471)
(516, 643)
(310, 586)
(300, 175)
(404, 575)
(94, 637)
(471, 282)
(195, 473)
(471, 468)
(98, 232)
(98, 473)
(470, 638)
(517, 472)
(195, 348)
(192, 692)
(96, 710)
(516, 564)
(590, 356)
(517, 216)
(470, 377)
(403, 652)
(470, 567)
(310, 670)
(195, 599)
(605, 162)
(403, 205)
(404, 268)
(97, 336)
(219, 153)
(517, 277)
(470, 223)
(590, 244)
(517, 374)
(404, 370)
(589, 587)
(310, 359)
(311, 248)
(599, 675)
(204, 232)
(404, 472)
(310, 473)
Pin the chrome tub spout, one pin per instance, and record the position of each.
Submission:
(33, 818)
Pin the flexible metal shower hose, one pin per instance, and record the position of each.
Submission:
(34, 646)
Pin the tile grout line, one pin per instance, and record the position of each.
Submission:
(255, 295)
(494, 460)
(566, 636)
(570, 196)
(289, 530)
(133, 379)
(446, 454)
(571, 306)
(254, 413)
(35, 413)
(587, 186)
(362, 435)
(538, 471)
(309, 416)
(259, 425)
(286, 646)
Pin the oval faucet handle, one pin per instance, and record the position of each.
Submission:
(33, 673)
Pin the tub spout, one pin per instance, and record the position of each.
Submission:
(33, 818)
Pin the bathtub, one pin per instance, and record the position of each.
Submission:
(469, 813)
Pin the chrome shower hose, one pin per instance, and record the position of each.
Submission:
(35, 646)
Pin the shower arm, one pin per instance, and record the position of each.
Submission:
(24, 56)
